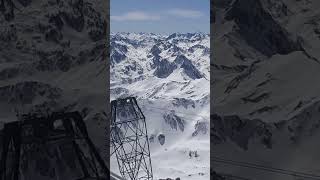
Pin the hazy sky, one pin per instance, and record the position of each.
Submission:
(160, 16)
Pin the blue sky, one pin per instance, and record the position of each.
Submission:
(160, 16)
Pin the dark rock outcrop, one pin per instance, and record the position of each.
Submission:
(118, 52)
(188, 68)
(259, 29)
(201, 127)
(183, 102)
(174, 121)
(73, 15)
(155, 51)
(240, 131)
(164, 69)
(161, 139)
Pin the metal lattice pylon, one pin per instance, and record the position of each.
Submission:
(59, 139)
(129, 139)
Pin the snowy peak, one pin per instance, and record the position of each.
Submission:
(159, 55)
(188, 68)
(185, 36)
(118, 52)
(164, 68)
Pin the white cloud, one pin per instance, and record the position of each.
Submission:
(136, 16)
(186, 13)
(144, 16)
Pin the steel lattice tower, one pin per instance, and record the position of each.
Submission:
(59, 138)
(129, 139)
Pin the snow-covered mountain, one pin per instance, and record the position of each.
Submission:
(169, 75)
(53, 57)
(264, 70)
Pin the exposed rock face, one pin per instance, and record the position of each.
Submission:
(236, 68)
(174, 121)
(161, 139)
(201, 127)
(234, 83)
(164, 69)
(259, 28)
(277, 9)
(193, 48)
(186, 103)
(303, 124)
(118, 52)
(188, 67)
(152, 138)
(171, 179)
(74, 16)
(155, 51)
(240, 131)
